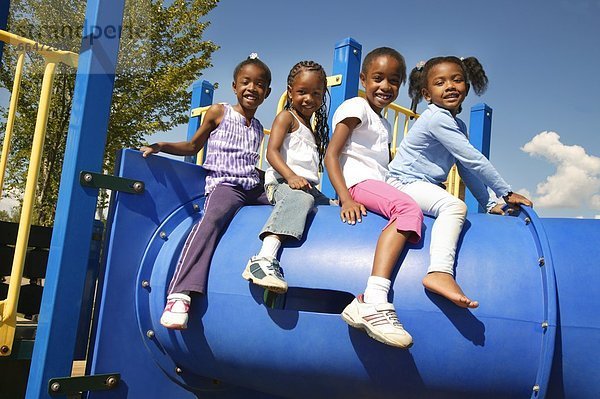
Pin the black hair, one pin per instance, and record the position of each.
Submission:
(321, 130)
(472, 70)
(253, 60)
(385, 51)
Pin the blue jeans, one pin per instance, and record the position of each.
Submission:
(288, 217)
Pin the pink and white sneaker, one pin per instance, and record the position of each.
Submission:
(175, 315)
(379, 321)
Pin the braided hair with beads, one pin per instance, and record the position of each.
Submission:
(321, 128)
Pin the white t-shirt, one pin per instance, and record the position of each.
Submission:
(299, 151)
(366, 153)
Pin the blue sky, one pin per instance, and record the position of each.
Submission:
(542, 59)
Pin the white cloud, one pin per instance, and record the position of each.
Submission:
(576, 181)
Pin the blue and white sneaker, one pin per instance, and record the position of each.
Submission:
(265, 272)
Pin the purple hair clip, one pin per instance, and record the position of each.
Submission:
(420, 65)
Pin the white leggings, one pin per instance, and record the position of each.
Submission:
(450, 213)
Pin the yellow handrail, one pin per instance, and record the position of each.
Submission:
(12, 111)
(48, 52)
(8, 307)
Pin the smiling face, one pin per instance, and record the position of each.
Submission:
(446, 86)
(382, 81)
(307, 92)
(251, 86)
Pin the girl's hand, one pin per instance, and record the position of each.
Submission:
(298, 183)
(352, 211)
(515, 200)
(149, 149)
(498, 209)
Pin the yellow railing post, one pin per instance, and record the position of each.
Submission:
(8, 307)
(52, 56)
(200, 111)
(10, 120)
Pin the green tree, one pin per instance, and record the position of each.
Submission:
(162, 53)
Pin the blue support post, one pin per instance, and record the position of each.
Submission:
(4, 9)
(69, 250)
(202, 96)
(480, 132)
(346, 61)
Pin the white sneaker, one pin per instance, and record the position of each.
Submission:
(265, 271)
(379, 321)
(175, 315)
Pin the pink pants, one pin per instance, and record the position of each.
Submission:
(385, 200)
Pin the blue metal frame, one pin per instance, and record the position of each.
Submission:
(69, 249)
(4, 9)
(346, 61)
(550, 298)
(480, 132)
(202, 96)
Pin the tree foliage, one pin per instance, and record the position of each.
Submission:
(162, 53)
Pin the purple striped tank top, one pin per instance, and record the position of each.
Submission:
(232, 152)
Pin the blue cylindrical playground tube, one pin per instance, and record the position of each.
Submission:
(535, 334)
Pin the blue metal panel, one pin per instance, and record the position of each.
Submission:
(202, 95)
(4, 9)
(346, 61)
(480, 132)
(69, 250)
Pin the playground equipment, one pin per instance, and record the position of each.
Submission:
(531, 337)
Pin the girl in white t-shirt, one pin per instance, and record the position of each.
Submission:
(295, 153)
(357, 160)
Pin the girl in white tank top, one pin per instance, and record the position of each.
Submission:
(295, 153)
(300, 153)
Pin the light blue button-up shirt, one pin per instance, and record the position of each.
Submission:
(435, 142)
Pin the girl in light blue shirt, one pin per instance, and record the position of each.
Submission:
(436, 141)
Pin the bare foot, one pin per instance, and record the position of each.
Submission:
(445, 285)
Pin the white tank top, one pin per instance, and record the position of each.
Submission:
(299, 151)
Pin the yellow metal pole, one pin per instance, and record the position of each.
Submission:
(10, 121)
(8, 307)
(281, 103)
(200, 154)
(395, 134)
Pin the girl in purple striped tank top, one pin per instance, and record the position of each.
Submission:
(232, 180)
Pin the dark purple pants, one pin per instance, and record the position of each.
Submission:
(220, 207)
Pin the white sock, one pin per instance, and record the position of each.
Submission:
(270, 246)
(377, 290)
